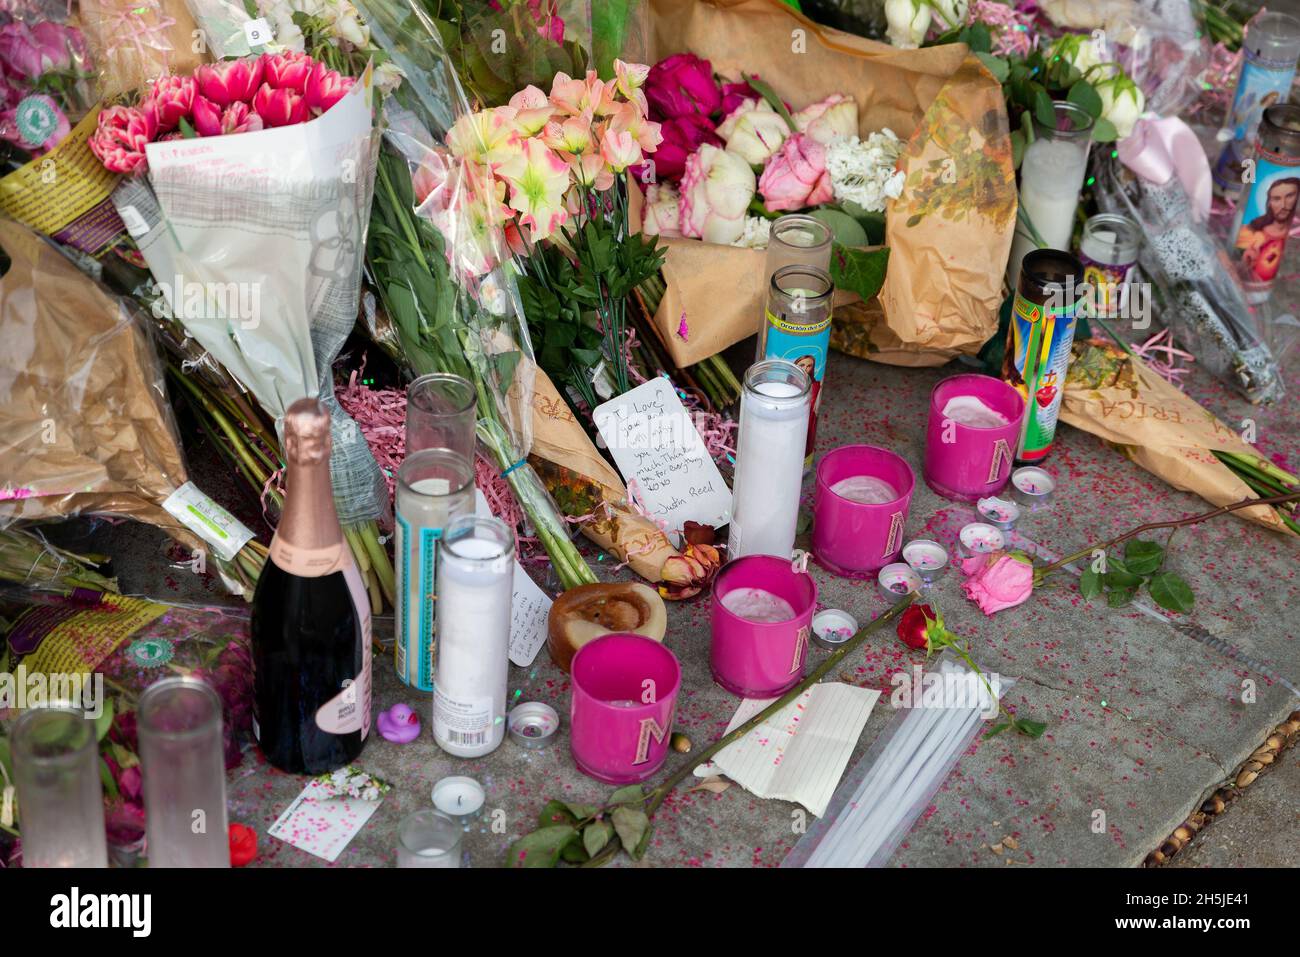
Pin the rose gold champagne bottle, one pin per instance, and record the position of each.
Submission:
(311, 618)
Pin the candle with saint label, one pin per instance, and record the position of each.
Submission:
(797, 328)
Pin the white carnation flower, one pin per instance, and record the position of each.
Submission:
(758, 230)
(863, 172)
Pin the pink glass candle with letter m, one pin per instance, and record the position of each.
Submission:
(972, 435)
(624, 698)
(859, 509)
(761, 614)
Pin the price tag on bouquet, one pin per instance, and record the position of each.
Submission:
(655, 443)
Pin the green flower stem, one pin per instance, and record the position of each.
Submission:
(367, 534)
(1041, 573)
(832, 662)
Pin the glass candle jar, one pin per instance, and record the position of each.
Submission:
(476, 563)
(1051, 175)
(1108, 251)
(796, 240)
(441, 413)
(182, 759)
(429, 838)
(434, 486)
(774, 404)
(1266, 214)
(797, 328)
(60, 798)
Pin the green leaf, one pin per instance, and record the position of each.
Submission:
(104, 721)
(1171, 592)
(978, 37)
(1033, 729)
(574, 852)
(1143, 558)
(582, 811)
(1089, 584)
(596, 835)
(846, 230)
(997, 729)
(555, 812)
(859, 270)
(1118, 576)
(1103, 131)
(632, 827)
(631, 793)
(1044, 112)
(187, 129)
(106, 776)
(873, 223)
(996, 65)
(541, 848)
(774, 101)
(1119, 597)
(1082, 94)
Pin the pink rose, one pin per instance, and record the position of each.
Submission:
(796, 176)
(680, 85)
(1003, 583)
(287, 71)
(120, 138)
(230, 81)
(280, 107)
(829, 119)
(325, 87)
(716, 190)
(172, 98)
(734, 94)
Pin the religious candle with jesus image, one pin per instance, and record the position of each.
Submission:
(1267, 211)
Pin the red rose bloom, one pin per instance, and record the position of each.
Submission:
(912, 626)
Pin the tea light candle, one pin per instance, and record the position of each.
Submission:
(533, 725)
(769, 459)
(980, 538)
(898, 580)
(460, 798)
(1032, 487)
(927, 558)
(998, 512)
(832, 627)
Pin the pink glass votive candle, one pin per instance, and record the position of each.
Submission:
(971, 438)
(855, 533)
(621, 713)
(760, 658)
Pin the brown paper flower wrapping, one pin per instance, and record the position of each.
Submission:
(1121, 401)
(950, 232)
(84, 422)
(133, 42)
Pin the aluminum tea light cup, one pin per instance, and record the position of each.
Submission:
(831, 627)
(533, 725)
(979, 538)
(927, 558)
(895, 582)
(1032, 487)
(998, 512)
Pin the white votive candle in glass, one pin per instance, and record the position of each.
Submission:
(475, 586)
(428, 838)
(769, 459)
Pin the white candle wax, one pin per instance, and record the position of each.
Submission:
(460, 798)
(1033, 481)
(769, 470)
(1051, 175)
(980, 538)
(971, 410)
(866, 489)
(998, 511)
(924, 555)
(897, 580)
(475, 588)
(757, 604)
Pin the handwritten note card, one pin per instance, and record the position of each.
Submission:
(655, 443)
(530, 607)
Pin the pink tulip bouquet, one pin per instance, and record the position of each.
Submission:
(44, 89)
(734, 157)
(230, 96)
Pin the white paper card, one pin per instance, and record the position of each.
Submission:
(655, 443)
(321, 823)
(530, 607)
(800, 753)
(190, 506)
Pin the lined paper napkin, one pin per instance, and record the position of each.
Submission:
(800, 753)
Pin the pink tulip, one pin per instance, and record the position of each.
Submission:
(206, 117)
(796, 176)
(172, 98)
(680, 85)
(279, 107)
(230, 81)
(1003, 583)
(240, 118)
(287, 71)
(325, 87)
(120, 138)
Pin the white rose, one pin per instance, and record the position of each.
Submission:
(716, 190)
(908, 20)
(832, 118)
(953, 12)
(1081, 51)
(754, 131)
(1122, 103)
(661, 216)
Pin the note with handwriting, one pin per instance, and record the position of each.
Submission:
(656, 445)
(529, 608)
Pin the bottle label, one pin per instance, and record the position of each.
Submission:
(462, 723)
(208, 520)
(310, 562)
(416, 652)
(1037, 358)
(1262, 84)
(1264, 220)
(806, 345)
(349, 710)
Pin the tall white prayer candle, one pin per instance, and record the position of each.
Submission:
(475, 587)
(769, 459)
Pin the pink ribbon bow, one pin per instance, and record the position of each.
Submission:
(1162, 147)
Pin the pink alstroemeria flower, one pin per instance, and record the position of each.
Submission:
(533, 110)
(538, 178)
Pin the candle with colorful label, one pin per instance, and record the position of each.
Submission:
(797, 328)
(1267, 211)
